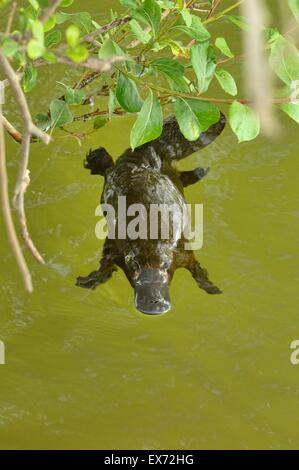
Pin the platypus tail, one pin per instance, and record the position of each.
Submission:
(173, 145)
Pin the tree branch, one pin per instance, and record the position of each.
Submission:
(16, 135)
(92, 63)
(11, 18)
(7, 216)
(48, 12)
(114, 24)
(29, 130)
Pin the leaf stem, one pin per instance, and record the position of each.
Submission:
(165, 92)
(222, 13)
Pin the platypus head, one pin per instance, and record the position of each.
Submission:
(150, 274)
(152, 291)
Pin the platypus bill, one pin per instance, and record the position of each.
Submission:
(146, 176)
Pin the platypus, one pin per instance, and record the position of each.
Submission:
(147, 176)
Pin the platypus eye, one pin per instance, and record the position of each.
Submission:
(166, 265)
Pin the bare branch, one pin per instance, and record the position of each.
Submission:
(114, 24)
(136, 42)
(98, 112)
(16, 135)
(214, 8)
(257, 72)
(29, 130)
(48, 12)
(7, 216)
(92, 63)
(45, 14)
(11, 18)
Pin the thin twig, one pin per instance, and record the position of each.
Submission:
(136, 42)
(90, 37)
(48, 12)
(92, 63)
(13, 132)
(213, 9)
(7, 216)
(165, 92)
(29, 130)
(45, 14)
(10, 18)
(98, 112)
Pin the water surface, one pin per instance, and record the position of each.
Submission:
(86, 370)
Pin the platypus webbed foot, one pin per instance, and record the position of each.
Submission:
(95, 278)
(191, 177)
(201, 276)
(98, 161)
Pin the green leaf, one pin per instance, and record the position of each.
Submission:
(50, 57)
(222, 45)
(226, 81)
(284, 60)
(294, 6)
(291, 109)
(60, 113)
(66, 3)
(179, 83)
(187, 17)
(204, 64)
(127, 94)
(173, 71)
(38, 31)
(195, 117)
(72, 35)
(244, 121)
(52, 39)
(43, 121)
(150, 13)
(73, 96)
(271, 35)
(129, 3)
(140, 33)
(100, 121)
(149, 123)
(110, 49)
(34, 4)
(35, 49)
(50, 23)
(83, 20)
(239, 21)
(9, 47)
(78, 53)
(111, 103)
(180, 4)
(29, 79)
(170, 67)
(196, 31)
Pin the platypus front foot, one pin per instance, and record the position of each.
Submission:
(94, 279)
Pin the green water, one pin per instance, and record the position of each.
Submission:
(86, 370)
